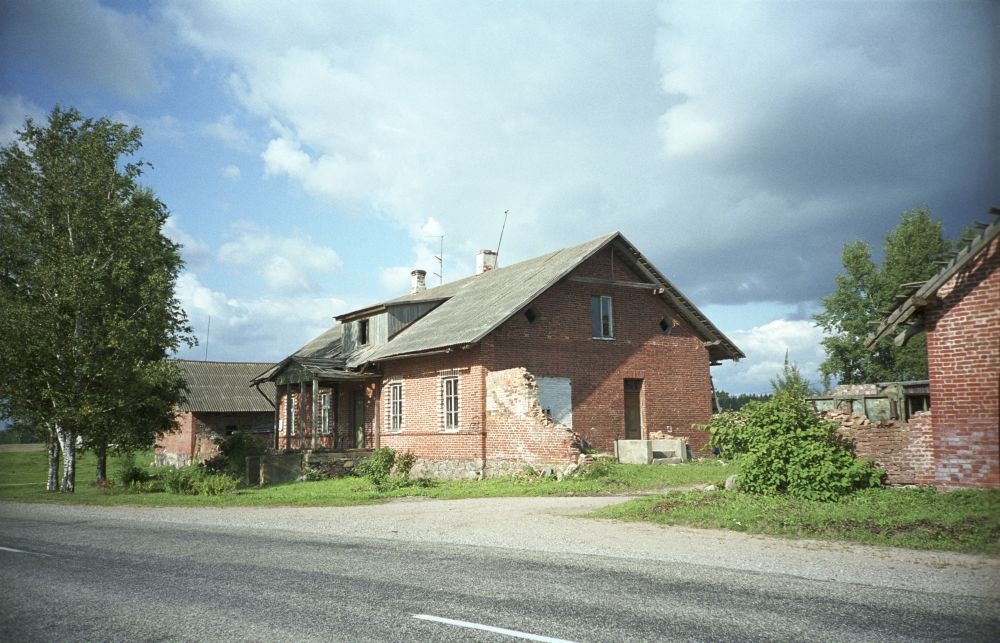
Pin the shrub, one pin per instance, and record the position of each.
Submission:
(404, 463)
(183, 480)
(216, 484)
(782, 446)
(130, 474)
(196, 481)
(233, 453)
(377, 467)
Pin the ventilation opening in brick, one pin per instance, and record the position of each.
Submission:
(666, 326)
(531, 315)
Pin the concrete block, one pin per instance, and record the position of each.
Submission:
(635, 451)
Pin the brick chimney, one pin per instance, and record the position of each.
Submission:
(485, 260)
(417, 281)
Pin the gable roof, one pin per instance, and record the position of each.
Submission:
(224, 387)
(471, 308)
(907, 310)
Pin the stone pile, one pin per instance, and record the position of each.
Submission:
(846, 419)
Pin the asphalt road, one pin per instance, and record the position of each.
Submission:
(369, 574)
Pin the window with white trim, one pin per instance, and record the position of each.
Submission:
(293, 411)
(396, 406)
(601, 317)
(324, 414)
(449, 402)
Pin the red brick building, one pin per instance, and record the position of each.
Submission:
(519, 365)
(220, 401)
(960, 310)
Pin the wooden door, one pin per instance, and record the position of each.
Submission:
(633, 409)
(358, 415)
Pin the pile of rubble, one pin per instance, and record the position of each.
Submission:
(846, 419)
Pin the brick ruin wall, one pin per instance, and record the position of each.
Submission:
(903, 449)
(674, 367)
(196, 439)
(963, 350)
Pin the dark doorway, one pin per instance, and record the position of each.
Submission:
(358, 418)
(633, 409)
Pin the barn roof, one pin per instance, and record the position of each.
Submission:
(225, 387)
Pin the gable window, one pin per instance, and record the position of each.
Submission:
(362, 332)
(324, 416)
(601, 317)
(449, 394)
(396, 406)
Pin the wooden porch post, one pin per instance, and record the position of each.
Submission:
(315, 401)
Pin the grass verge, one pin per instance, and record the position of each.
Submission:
(915, 518)
(22, 478)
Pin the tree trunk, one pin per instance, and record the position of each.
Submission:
(67, 441)
(101, 453)
(53, 482)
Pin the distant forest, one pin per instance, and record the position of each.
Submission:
(730, 402)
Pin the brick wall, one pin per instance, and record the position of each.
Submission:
(423, 431)
(904, 449)
(676, 391)
(963, 349)
(517, 430)
(195, 441)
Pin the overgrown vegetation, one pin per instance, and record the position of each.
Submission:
(916, 518)
(782, 446)
(233, 453)
(386, 469)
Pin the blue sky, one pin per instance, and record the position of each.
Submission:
(311, 153)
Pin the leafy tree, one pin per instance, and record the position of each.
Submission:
(791, 381)
(86, 286)
(866, 290)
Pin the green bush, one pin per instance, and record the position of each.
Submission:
(182, 480)
(130, 474)
(377, 467)
(216, 484)
(404, 462)
(233, 453)
(782, 446)
(196, 481)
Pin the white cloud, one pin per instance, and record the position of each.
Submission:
(264, 328)
(231, 172)
(288, 264)
(194, 251)
(228, 132)
(14, 109)
(765, 347)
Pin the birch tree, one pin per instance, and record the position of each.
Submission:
(86, 289)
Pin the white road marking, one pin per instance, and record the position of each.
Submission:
(490, 628)
(20, 551)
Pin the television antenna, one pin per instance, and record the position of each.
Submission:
(440, 257)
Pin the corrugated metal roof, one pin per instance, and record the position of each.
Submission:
(473, 307)
(225, 387)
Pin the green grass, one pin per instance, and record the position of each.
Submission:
(22, 478)
(915, 518)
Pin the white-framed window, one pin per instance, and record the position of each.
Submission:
(324, 413)
(396, 406)
(449, 402)
(293, 411)
(601, 317)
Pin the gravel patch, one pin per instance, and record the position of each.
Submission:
(554, 525)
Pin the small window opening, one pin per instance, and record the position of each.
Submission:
(666, 326)
(363, 332)
(601, 317)
(531, 315)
